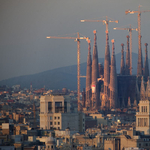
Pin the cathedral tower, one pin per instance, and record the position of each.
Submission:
(88, 77)
(95, 91)
(113, 80)
(122, 67)
(146, 68)
(128, 58)
(106, 71)
(140, 63)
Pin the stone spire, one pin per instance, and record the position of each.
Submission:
(127, 58)
(122, 67)
(129, 102)
(106, 70)
(95, 93)
(142, 89)
(140, 63)
(148, 88)
(135, 103)
(113, 79)
(83, 97)
(88, 77)
(146, 68)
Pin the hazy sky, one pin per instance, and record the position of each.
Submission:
(24, 25)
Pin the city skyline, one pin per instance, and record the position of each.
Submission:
(25, 25)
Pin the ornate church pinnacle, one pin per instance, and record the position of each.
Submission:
(146, 66)
(106, 71)
(128, 58)
(95, 74)
(142, 89)
(122, 67)
(113, 79)
(140, 62)
(95, 38)
(88, 77)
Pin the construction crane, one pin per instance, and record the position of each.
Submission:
(77, 39)
(139, 25)
(130, 34)
(104, 22)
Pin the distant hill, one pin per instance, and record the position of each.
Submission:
(61, 77)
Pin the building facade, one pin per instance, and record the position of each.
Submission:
(143, 117)
(55, 114)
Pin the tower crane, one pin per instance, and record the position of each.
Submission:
(104, 22)
(77, 39)
(139, 71)
(130, 34)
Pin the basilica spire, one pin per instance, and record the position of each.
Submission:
(95, 93)
(88, 76)
(142, 89)
(106, 70)
(146, 68)
(140, 63)
(128, 58)
(113, 79)
(122, 67)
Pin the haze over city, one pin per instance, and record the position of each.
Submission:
(25, 25)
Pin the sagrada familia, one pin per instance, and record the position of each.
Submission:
(105, 89)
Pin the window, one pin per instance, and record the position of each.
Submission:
(49, 107)
(58, 107)
(51, 117)
(51, 123)
(55, 118)
(54, 123)
(58, 123)
(142, 108)
(58, 128)
(58, 117)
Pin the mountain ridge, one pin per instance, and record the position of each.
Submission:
(61, 77)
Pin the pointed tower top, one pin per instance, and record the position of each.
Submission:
(89, 45)
(89, 41)
(94, 32)
(146, 49)
(112, 41)
(122, 50)
(146, 44)
(94, 37)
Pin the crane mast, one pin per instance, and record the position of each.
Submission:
(140, 68)
(77, 39)
(130, 34)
